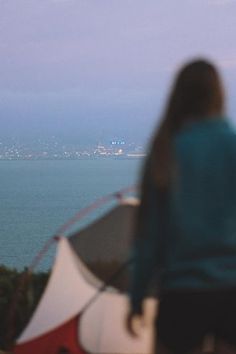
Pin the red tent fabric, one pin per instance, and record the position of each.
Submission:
(61, 340)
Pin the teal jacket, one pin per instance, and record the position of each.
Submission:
(198, 248)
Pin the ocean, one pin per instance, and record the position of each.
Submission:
(37, 197)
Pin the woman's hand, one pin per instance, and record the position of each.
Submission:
(129, 323)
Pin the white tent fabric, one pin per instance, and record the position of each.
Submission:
(65, 295)
(102, 327)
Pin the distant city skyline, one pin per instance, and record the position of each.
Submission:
(54, 149)
(87, 70)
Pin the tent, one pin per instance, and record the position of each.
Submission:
(73, 315)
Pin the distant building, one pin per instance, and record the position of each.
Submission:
(117, 142)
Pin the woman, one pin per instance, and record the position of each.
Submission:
(186, 224)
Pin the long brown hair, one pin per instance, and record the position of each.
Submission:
(197, 94)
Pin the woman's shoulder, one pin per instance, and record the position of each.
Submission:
(230, 138)
(217, 127)
(207, 138)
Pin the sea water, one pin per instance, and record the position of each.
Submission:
(37, 197)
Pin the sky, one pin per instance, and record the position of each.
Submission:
(89, 70)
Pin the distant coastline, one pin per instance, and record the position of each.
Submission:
(123, 157)
(54, 150)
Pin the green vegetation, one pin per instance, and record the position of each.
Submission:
(19, 295)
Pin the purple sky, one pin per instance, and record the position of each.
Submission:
(90, 69)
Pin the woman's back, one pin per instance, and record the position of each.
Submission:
(201, 237)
